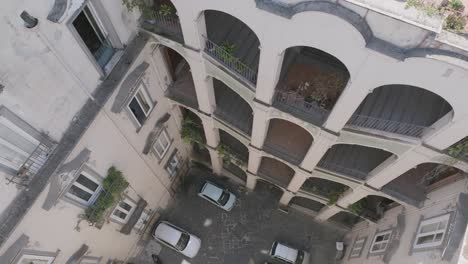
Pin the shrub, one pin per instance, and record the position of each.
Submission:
(191, 132)
(456, 5)
(166, 10)
(455, 23)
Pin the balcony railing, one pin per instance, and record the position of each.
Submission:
(273, 180)
(236, 171)
(390, 126)
(245, 125)
(296, 104)
(181, 97)
(282, 152)
(354, 173)
(164, 25)
(232, 63)
(31, 166)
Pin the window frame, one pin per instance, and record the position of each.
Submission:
(361, 249)
(94, 195)
(374, 242)
(89, 258)
(173, 171)
(429, 221)
(39, 255)
(157, 141)
(145, 214)
(141, 87)
(128, 212)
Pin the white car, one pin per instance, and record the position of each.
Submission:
(288, 254)
(217, 196)
(177, 239)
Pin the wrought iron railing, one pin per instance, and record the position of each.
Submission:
(230, 62)
(354, 173)
(295, 103)
(245, 124)
(390, 126)
(31, 166)
(282, 152)
(164, 25)
(181, 96)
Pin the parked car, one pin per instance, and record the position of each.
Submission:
(177, 239)
(217, 196)
(288, 254)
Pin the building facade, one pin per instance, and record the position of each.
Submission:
(353, 109)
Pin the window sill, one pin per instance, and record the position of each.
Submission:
(112, 63)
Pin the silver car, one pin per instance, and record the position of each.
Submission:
(177, 239)
(217, 196)
(288, 254)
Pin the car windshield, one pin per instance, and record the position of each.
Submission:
(183, 241)
(223, 199)
(300, 257)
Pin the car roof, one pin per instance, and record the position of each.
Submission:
(285, 252)
(166, 232)
(212, 191)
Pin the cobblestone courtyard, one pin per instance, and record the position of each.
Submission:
(245, 234)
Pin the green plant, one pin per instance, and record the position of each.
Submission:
(455, 22)
(456, 5)
(356, 207)
(334, 195)
(430, 10)
(113, 186)
(146, 10)
(166, 10)
(191, 132)
(228, 155)
(460, 149)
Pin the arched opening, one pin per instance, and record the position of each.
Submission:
(192, 133)
(232, 44)
(354, 161)
(267, 192)
(372, 207)
(287, 140)
(305, 205)
(182, 88)
(345, 219)
(311, 82)
(413, 186)
(232, 108)
(400, 109)
(162, 20)
(275, 171)
(235, 155)
(329, 189)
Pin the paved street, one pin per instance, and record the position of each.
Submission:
(245, 234)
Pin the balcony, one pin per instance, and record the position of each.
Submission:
(305, 205)
(234, 148)
(232, 44)
(328, 189)
(311, 82)
(372, 207)
(163, 20)
(413, 186)
(31, 166)
(275, 172)
(399, 109)
(232, 109)
(291, 146)
(353, 161)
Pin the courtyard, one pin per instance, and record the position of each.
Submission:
(245, 234)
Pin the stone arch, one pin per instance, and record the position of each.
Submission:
(275, 171)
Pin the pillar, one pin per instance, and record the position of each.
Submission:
(448, 135)
(251, 181)
(327, 212)
(319, 147)
(269, 71)
(255, 157)
(216, 161)
(286, 198)
(299, 178)
(260, 125)
(351, 196)
(193, 27)
(203, 87)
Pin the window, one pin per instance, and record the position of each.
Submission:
(90, 260)
(85, 189)
(16, 146)
(173, 165)
(380, 242)
(33, 259)
(142, 221)
(93, 35)
(123, 211)
(357, 247)
(431, 232)
(162, 144)
(140, 105)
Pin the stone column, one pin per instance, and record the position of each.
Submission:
(299, 178)
(216, 161)
(193, 27)
(260, 125)
(352, 196)
(269, 71)
(327, 212)
(318, 148)
(286, 198)
(393, 168)
(211, 132)
(255, 157)
(203, 87)
(251, 181)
